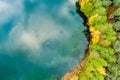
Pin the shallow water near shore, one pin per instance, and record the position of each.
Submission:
(39, 39)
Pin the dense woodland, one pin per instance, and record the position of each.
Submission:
(102, 17)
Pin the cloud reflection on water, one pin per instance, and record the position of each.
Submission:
(39, 38)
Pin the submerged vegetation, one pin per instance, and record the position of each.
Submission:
(103, 56)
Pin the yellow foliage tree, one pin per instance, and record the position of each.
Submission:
(83, 2)
(101, 70)
(91, 19)
(95, 34)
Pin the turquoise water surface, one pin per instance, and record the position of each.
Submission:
(39, 39)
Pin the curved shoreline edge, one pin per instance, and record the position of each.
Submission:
(104, 41)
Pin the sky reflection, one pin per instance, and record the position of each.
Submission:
(39, 39)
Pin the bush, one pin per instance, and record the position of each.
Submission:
(106, 3)
(116, 2)
(100, 11)
(117, 12)
(116, 46)
(98, 5)
(97, 19)
(113, 72)
(87, 9)
(116, 26)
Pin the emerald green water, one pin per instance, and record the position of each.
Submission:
(39, 39)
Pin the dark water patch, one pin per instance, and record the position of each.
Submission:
(81, 14)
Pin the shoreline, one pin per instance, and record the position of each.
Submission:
(75, 73)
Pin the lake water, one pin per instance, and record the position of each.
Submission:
(39, 39)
